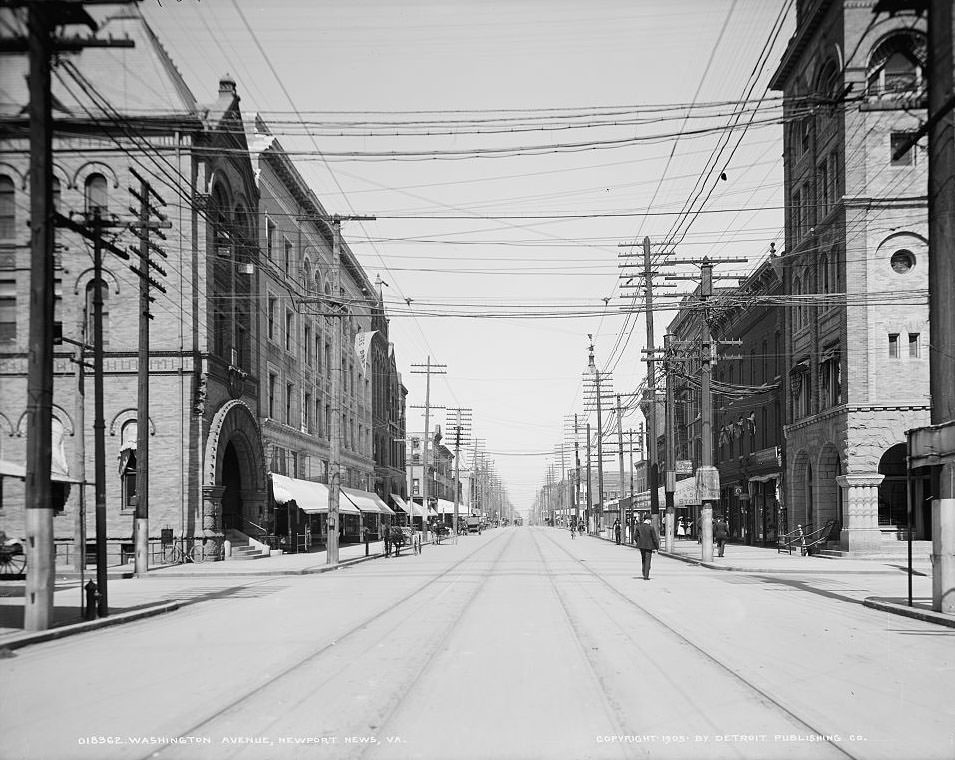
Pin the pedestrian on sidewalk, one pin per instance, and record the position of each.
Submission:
(386, 537)
(721, 532)
(616, 531)
(648, 540)
(681, 529)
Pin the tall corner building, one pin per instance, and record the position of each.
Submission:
(855, 269)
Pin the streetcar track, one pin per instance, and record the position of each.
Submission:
(613, 710)
(317, 653)
(437, 647)
(763, 694)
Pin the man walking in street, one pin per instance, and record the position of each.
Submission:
(616, 531)
(648, 540)
(721, 532)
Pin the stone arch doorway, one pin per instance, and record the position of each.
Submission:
(892, 495)
(234, 486)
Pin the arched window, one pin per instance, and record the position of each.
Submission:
(90, 297)
(97, 194)
(8, 208)
(127, 464)
(306, 276)
(823, 276)
(896, 67)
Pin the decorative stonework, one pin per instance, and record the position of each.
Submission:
(861, 498)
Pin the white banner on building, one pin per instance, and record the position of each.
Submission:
(362, 347)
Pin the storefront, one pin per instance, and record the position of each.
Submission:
(300, 514)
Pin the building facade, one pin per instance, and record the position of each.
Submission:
(205, 443)
(855, 270)
(747, 418)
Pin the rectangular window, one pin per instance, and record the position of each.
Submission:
(893, 345)
(271, 317)
(306, 411)
(415, 486)
(288, 258)
(822, 175)
(8, 311)
(914, 351)
(289, 326)
(897, 140)
(832, 173)
(278, 460)
(328, 422)
(273, 381)
(318, 353)
(308, 345)
(289, 395)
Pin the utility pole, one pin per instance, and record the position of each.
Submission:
(145, 225)
(653, 475)
(707, 475)
(460, 425)
(576, 474)
(589, 477)
(670, 465)
(597, 379)
(335, 455)
(40, 45)
(428, 370)
(38, 611)
(650, 454)
(622, 517)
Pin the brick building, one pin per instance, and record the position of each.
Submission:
(240, 358)
(855, 269)
(747, 417)
(205, 443)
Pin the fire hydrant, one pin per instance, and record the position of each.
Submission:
(92, 601)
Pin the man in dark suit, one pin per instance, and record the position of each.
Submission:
(647, 541)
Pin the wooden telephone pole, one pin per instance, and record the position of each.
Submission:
(40, 45)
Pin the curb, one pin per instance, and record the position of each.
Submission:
(927, 616)
(16, 641)
(162, 572)
(21, 640)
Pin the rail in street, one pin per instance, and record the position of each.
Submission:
(518, 643)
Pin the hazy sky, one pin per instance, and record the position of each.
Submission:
(527, 75)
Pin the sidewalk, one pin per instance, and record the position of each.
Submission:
(163, 589)
(881, 584)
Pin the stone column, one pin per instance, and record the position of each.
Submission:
(861, 499)
(212, 535)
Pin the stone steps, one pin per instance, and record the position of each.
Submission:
(888, 550)
(241, 550)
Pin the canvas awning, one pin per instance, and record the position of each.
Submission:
(446, 507)
(310, 496)
(367, 502)
(13, 470)
(401, 503)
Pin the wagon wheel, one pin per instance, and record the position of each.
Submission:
(12, 562)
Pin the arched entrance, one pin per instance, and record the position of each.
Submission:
(892, 497)
(232, 516)
(234, 486)
(827, 490)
